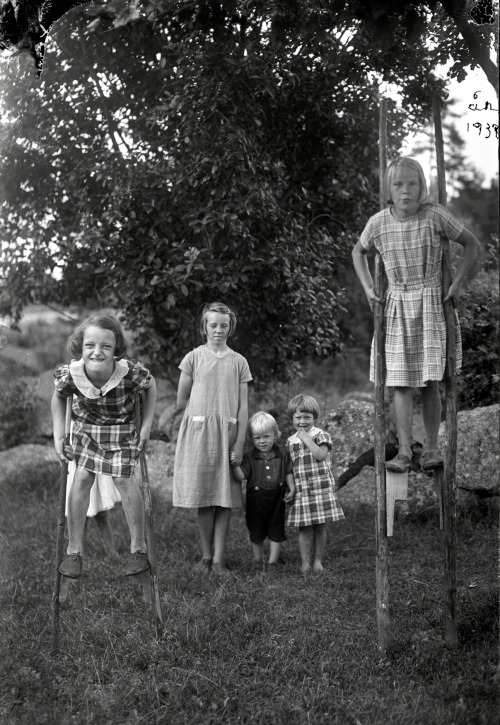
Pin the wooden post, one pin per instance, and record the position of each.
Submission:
(382, 581)
(154, 595)
(448, 487)
(61, 519)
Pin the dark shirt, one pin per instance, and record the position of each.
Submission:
(266, 470)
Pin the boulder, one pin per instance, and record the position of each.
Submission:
(422, 495)
(478, 453)
(352, 428)
(28, 466)
(42, 390)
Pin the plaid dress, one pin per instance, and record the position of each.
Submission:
(315, 501)
(104, 430)
(415, 335)
(209, 426)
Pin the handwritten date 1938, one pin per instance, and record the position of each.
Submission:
(488, 128)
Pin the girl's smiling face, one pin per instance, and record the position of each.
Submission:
(217, 327)
(302, 419)
(405, 192)
(98, 349)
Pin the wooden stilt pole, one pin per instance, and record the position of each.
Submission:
(448, 485)
(382, 581)
(154, 598)
(61, 519)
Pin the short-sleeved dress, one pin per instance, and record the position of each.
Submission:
(202, 472)
(315, 501)
(411, 249)
(103, 424)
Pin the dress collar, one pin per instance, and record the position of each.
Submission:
(77, 370)
(314, 431)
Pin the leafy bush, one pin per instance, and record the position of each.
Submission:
(479, 313)
(16, 421)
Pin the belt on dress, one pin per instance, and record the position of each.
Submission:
(407, 286)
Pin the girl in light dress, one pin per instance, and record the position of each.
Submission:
(213, 398)
(409, 236)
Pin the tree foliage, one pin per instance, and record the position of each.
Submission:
(198, 151)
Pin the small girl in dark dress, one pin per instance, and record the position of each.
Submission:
(267, 469)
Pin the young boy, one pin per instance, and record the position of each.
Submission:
(267, 469)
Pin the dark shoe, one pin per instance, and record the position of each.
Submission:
(137, 562)
(430, 460)
(204, 566)
(71, 566)
(399, 464)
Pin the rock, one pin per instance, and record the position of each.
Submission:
(30, 466)
(478, 454)
(351, 426)
(422, 495)
(42, 390)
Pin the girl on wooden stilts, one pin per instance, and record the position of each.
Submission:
(103, 385)
(408, 235)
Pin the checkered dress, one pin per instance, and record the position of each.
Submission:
(315, 501)
(415, 336)
(104, 431)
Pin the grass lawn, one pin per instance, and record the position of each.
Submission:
(252, 649)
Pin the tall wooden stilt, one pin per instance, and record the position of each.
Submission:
(382, 580)
(448, 487)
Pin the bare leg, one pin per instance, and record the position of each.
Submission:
(221, 528)
(305, 545)
(206, 524)
(431, 410)
(319, 546)
(78, 504)
(104, 526)
(403, 417)
(258, 551)
(275, 551)
(133, 508)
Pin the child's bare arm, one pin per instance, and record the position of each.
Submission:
(237, 448)
(58, 410)
(238, 473)
(148, 408)
(360, 262)
(471, 250)
(319, 452)
(290, 482)
(183, 395)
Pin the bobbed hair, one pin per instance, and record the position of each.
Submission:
(306, 403)
(105, 322)
(262, 422)
(223, 310)
(408, 163)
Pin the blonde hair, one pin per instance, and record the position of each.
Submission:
(262, 422)
(222, 309)
(105, 322)
(306, 403)
(407, 163)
